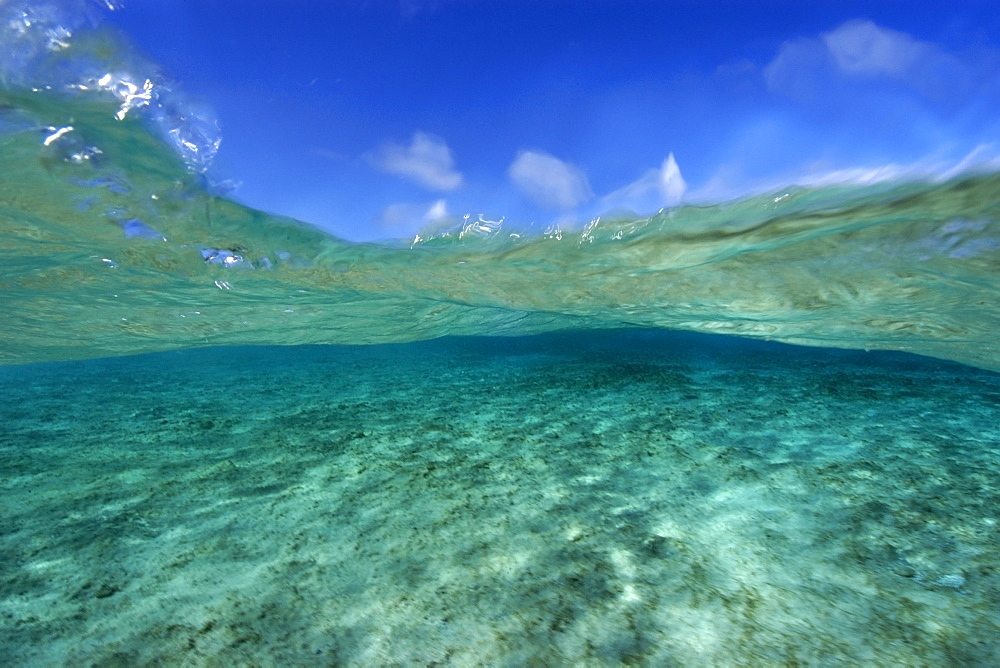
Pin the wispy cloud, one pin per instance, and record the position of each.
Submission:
(655, 189)
(861, 49)
(427, 160)
(404, 217)
(549, 181)
(858, 102)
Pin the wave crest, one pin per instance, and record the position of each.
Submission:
(59, 46)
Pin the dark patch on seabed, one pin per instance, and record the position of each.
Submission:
(623, 497)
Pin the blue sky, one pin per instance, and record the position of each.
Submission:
(375, 119)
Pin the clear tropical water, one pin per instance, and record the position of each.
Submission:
(571, 498)
(510, 446)
(111, 247)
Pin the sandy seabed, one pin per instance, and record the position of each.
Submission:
(588, 499)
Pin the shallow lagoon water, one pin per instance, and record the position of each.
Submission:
(595, 498)
(586, 494)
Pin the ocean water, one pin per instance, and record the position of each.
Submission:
(761, 432)
(575, 498)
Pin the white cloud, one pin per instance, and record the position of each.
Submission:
(655, 189)
(797, 67)
(437, 210)
(861, 47)
(404, 216)
(397, 215)
(426, 160)
(549, 181)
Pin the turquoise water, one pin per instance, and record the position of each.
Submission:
(571, 498)
(229, 438)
